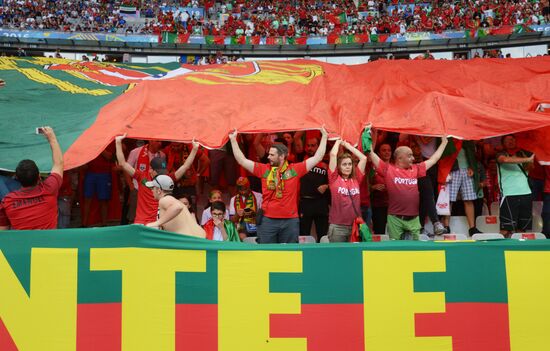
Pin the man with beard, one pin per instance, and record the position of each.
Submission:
(278, 221)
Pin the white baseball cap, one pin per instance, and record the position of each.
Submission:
(162, 181)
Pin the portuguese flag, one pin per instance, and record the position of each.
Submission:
(242, 40)
(296, 40)
(89, 103)
(275, 41)
(214, 39)
(172, 37)
(135, 288)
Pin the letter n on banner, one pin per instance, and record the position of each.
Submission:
(390, 302)
(44, 319)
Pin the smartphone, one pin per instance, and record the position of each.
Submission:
(39, 130)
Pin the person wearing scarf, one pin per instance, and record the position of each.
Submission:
(243, 208)
(220, 229)
(278, 220)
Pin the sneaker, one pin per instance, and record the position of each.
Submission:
(427, 233)
(473, 231)
(439, 229)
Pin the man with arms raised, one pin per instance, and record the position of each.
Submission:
(146, 204)
(280, 183)
(173, 216)
(401, 181)
(34, 206)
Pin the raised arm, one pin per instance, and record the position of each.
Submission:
(57, 155)
(120, 156)
(188, 161)
(333, 162)
(239, 156)
(362, 158)
(515, 159)
(437, 154)
(172, 208)
(320, 153)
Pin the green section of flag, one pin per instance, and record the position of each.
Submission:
(26, 104)
(332, 273)
(169, 37)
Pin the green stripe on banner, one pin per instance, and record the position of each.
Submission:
(187, 293)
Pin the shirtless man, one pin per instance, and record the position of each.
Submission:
(173, 216)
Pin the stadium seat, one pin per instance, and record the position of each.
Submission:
(537, 223)
(528, 236)
(452, 237)
(324, 239)
(487, 236)
(306, 239)
(488, 224)
(459, 225)
(250, 240)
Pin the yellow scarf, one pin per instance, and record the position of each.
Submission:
(275, 179)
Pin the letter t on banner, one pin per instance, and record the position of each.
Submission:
(390, 301)
(148, 291)
(244, 300)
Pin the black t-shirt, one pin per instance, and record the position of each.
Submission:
(316, 177)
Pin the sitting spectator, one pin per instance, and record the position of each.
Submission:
(186, 200)
(172, 215)
(215, 195)
(34, 206)
(220, 229)
(344, 180)
(401, 180)
(243, 208)
(516, 204)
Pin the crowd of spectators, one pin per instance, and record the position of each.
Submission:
(275, 186)
(272, 18)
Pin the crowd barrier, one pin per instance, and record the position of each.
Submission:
(242, 40)
(134, 288)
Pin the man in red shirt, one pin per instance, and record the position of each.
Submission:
(280, 189)
(34, 206)
(147, 205)
(401, 181)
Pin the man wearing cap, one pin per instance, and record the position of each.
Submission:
(172, 215)
(243, 208)
(280, 183)
(147, 205)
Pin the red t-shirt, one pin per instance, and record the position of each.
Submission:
(147, 206)
(343, 211)
(402, 186)
(287, 206)
(32, 208)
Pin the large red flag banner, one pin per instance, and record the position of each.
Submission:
(467, 99)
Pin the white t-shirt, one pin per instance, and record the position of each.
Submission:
(206, 215)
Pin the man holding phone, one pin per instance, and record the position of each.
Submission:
(243, 208)
(34, 206)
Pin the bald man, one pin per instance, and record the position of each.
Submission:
(401, 181)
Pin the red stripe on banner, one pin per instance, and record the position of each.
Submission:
(473, 326)
(99, 327)
(326, 327)
(196, 327)
(6, 342)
